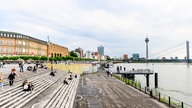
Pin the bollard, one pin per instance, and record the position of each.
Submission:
(159, 97)
(147, 80)
(156, 80)
(151, 93)
(182, 105)
(145, 90)
(169, 101)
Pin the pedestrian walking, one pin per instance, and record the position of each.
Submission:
(11, 76)
(108, 73)
(21, 66)
(111, 74)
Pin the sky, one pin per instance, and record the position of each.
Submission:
(121, 26)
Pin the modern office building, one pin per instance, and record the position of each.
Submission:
(12, 44)
(135, 56)
(101, 50)
(88, 54)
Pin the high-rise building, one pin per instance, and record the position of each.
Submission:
(101, 50)
(80, 52)
(125, 56)
(136, 56)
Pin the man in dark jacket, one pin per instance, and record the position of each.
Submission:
(11, 78)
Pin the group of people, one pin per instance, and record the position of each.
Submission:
(70, 78)
(27, 86)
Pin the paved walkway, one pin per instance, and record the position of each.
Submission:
(99, 91)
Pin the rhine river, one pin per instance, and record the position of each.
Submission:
(174, 79)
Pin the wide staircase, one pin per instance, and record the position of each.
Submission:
(62, 97)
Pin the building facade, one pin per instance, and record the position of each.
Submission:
(101, 50)
(136, 56)
(12, 44)
(125, 56)
(55, 50)
(80, 52)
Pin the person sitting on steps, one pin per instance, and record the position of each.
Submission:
(65, 82)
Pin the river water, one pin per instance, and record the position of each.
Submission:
(174, 79)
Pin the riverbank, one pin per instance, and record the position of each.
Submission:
(99, 91)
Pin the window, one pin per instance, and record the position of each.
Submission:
(11, 50)
(19, 50)
(1, 50)
(7, 50)
(19, 43)
(12, 42)
(7, 42)
(1, 42)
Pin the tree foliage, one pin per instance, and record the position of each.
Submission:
(73, 54)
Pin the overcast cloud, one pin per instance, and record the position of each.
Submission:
(119, 25)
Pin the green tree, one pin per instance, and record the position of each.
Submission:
(58, 58)
(13, 58)
(44, 58)
(5, 58)
(73, 54)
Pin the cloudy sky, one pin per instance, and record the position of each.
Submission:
(120, 26)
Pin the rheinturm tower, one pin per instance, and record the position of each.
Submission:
(146, 41)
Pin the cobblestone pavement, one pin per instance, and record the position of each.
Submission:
(99, 91)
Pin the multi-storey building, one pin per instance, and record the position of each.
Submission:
(55, 50)
(80, 52)
(136, 56)
(125, 56)
(12, 43)
(101, 50)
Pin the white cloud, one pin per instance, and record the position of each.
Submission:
(120, 26)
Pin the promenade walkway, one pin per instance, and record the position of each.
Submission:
(99, 91)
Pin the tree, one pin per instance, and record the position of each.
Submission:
(73, 54)
(44, 58)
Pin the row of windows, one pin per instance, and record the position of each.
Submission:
(21, 36)
(7, 50)
(20, 50)
(11, 42)
(7, 42)
(12, 35)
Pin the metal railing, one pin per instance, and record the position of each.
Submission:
(171, 102)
